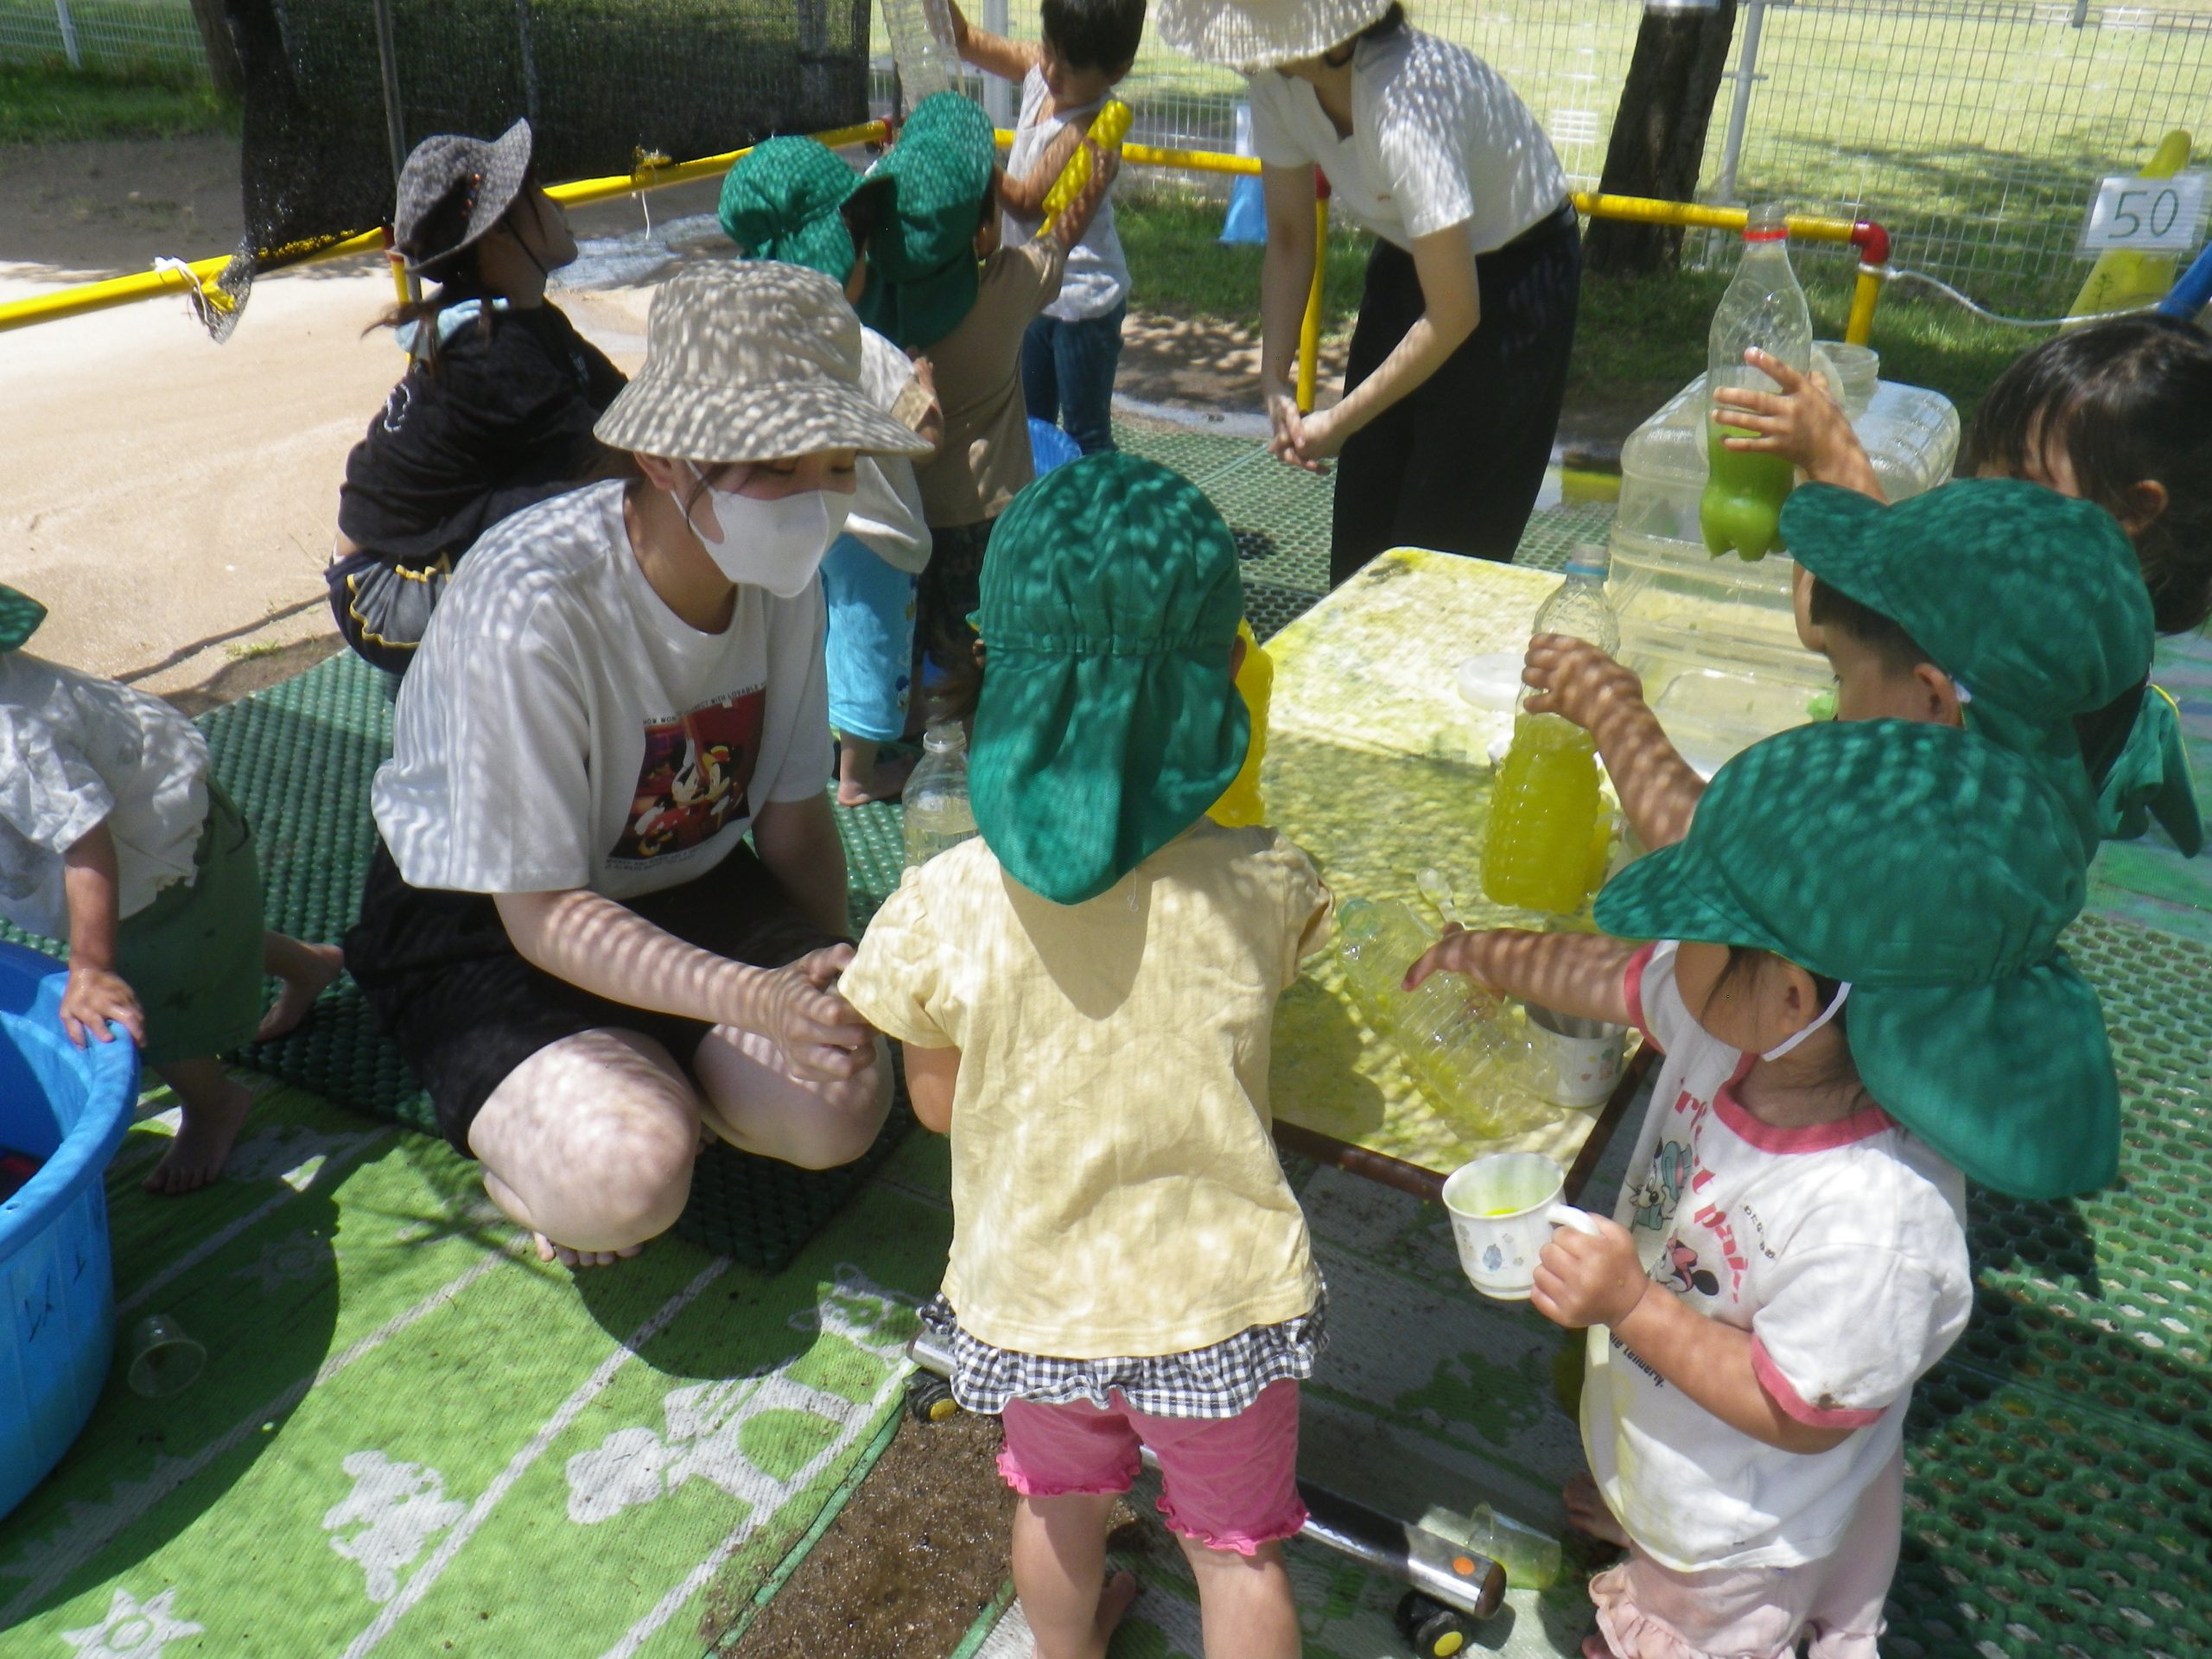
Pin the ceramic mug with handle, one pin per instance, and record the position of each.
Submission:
(1503, 1207)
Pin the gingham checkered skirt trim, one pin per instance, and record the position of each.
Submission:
(1219, 1381)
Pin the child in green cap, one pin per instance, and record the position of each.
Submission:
(1992, 604)
(946, 290)
(1085, 994)
(114, 835)
(1856, 937)
(793, 201)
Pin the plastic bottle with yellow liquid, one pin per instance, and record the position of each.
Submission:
(1546, 814)
(1107, 128)
(1240, 804)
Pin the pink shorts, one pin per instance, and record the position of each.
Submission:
(1229, 1483)
(1646, 1610)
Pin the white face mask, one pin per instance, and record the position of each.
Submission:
(1835, 1007)
(775, 544)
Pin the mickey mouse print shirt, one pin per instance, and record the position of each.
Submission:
(561, 728)
(1840, 1248)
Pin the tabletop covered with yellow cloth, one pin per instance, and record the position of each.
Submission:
(1380, 769)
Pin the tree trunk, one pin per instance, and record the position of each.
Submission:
(215, 40)
(1658, 142)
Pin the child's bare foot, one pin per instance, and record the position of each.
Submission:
(306, 969)
(1587, 1511)
(212, 1110)
(875, 779)
(549, 1251)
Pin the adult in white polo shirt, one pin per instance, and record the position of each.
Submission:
(562, 929)
(1459, 362)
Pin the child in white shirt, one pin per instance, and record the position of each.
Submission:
(114, 836)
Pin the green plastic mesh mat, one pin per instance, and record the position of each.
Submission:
(299, 758)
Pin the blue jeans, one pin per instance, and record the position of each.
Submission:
(1067, 375)
(871, 646)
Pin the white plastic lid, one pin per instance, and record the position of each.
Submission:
(1492, 680)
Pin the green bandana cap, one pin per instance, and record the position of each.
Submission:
(1108, 723)
(781, 201)
(923, 272)
(2150, 780)
(2033, 602)
(20, 615)
(1933, 870)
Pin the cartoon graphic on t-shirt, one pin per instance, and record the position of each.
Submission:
(1678, 1270)
(693, 779)
(1656, 1196)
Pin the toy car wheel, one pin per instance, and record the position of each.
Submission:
(1433, 1630)
(929, 1400)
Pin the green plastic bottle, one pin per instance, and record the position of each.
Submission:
(1741, 508)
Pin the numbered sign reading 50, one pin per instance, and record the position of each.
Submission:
(2148, 215)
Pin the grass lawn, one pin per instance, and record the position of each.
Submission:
(55, 106)
(1633, 335)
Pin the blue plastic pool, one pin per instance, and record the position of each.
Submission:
(69, 1109)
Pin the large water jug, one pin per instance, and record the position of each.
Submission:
(1714, 639)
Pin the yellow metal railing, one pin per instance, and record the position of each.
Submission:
(655, 172)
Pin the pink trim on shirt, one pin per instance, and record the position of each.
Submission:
(1780, 1391)
(1814, 1137)
(1632, 988)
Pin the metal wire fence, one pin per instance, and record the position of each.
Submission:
(104, 37)
(1975, 130)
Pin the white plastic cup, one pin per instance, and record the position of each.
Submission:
(163, 1359)
(1574, 1061)
(1503, 1206)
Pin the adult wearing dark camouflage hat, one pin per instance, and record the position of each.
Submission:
(452, 190)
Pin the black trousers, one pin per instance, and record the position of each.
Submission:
(1457, 462)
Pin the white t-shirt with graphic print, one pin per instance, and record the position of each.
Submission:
(561, 727)
(1840, 1248)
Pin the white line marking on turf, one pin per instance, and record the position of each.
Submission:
(169, 1474)
(419, 1584)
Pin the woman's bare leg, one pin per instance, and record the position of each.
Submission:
(755, 1103)
(589, 1143)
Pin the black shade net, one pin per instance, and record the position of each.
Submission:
(602, 81)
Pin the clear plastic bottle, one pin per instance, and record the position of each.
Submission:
(1532, 1559)
(1741, 508)
(938, 813)
(1544, 810)
(1448, 1030)
(921, 45)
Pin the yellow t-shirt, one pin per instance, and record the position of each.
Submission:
(1114, 1188)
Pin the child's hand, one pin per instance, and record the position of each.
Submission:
(92, 997)
(1802, 422)
(1458, 951)
(959, 28)
(1576, 680)
(1590, 1278)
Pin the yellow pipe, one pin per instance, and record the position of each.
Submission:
(1865, 294)
(1309, 327)
(1644, 210)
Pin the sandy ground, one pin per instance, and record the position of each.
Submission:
(172, 501)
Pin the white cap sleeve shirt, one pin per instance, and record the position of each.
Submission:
(1438, 139)
(561, 728)
(1840, 1248)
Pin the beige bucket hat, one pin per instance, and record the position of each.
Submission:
(1250, 35)
(749, 360)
